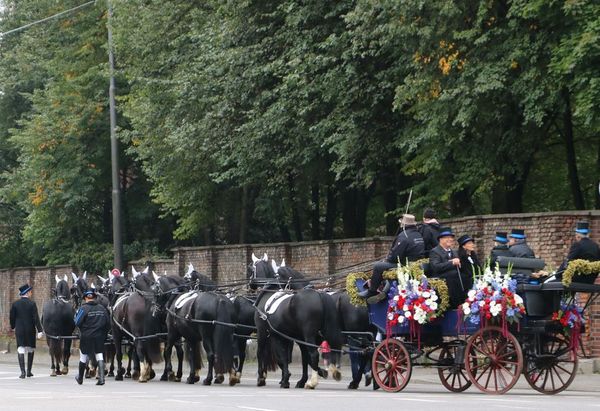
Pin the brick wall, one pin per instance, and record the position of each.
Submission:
(549, 234)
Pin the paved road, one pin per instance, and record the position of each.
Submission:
(424, 392)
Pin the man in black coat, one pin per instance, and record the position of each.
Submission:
(93, 322)
(407, 246)
(445, 264)
(24, 319)
(583, 248)
(500, 248)
(517, 244)
(429, 230)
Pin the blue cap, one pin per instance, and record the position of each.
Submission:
(24, 289)
(582, 227)
(501, 237)
(89, 291)
(517, 233)
(445, 232)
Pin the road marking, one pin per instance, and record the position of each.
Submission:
(35, 398)
(255, 409)
(416, 399)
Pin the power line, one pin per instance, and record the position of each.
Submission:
(62, 13)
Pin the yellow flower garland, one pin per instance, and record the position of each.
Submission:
(579, 267)
(416, 271)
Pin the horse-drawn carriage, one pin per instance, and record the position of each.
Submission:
(489, 356)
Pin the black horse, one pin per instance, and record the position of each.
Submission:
(359, 333)
(244, 313)
(57, 320)
(135, 316)
(169, 289)
(307, 317)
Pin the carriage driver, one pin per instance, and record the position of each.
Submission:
(93, 322)
(407, 246)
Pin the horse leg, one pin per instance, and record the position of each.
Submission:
(302, 381)
(66, 356)
(357, 367)
(191, 346)
(119, 355)
(210, 356)
(179, 351)
(167, 374)
(282, 351)
(133, 366)
(52, 367)
(316, 371)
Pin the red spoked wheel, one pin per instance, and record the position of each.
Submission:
(553, 369)
(391, 366)
(453, 376)
(493, 361)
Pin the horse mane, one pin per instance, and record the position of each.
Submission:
(204, 282)
(295, 278)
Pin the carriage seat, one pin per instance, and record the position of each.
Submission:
(521, 268)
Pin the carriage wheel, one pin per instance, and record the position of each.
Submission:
(493, 361)
(554, 369)
(452, 376)
(391, 367)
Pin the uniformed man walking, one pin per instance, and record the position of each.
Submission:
(583, 248)
(93, 322)
(24, 319)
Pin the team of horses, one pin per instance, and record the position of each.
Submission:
(152, 314)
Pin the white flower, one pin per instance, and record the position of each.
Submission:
(396, 297)
(481, 303)
(400, 319)
(407, 314)
(518, 299)
(390, 316)
(495, 309)
(426, 294)
(472, 294)
(467, 310)
(433, 305)
(434, 297)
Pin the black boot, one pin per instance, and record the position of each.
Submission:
(79, 377)
(100, 373)
(29, 364)
(22, 365)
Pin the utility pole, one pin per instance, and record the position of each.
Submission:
(114, 153)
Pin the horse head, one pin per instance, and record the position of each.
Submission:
(63, 290)
(259, 271)
(80, 285)
(289, 277)
(143, 281)
(198, 280)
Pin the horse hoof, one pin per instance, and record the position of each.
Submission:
(261, 382)
(219, 379)
(233, 381)
(189, 380)
(135, 375)
(368, 379)
(152, 375)
(285, 385)
(119, 377)
(110, 374)
(58, 372)
(177, 379)
(309, 387)
(164, 378)
(142, 380)
(353, 385)
(323, 373)
(206, 381)
(53, 373)
(65, 371)
(300, 384)
(337, 375)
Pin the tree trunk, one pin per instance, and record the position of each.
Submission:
(390, 202)
(331, 213)
(296, 221)
(597, 188)
(578, 199)
(349, 212)
(315, 216)
(243, 228)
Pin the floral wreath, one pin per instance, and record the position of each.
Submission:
(579, 267)
(438, 284)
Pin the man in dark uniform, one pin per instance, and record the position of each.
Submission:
(582, 249)
(429, 230)
(500, 248)
(407, 246)
(517, 244)
(93, 322)
(445, 264)
(24, 319)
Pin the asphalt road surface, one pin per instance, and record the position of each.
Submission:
(424, 392)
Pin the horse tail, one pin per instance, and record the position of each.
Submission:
(265, 353)
(331, 326)
(152, 326)
(223, 336)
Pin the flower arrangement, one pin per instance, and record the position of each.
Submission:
(493, 298)
(581, 267)
(570, 316)
(411, 300)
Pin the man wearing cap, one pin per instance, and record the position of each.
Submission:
(429, 230)
(93, 322)
(445, 264)
(407, 246)
(24, 319)
(517, 244)
(583, 248)
(500, 248)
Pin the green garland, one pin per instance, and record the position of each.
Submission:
(416, 271)
(579, 267)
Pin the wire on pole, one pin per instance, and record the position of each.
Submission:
(33, 23)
